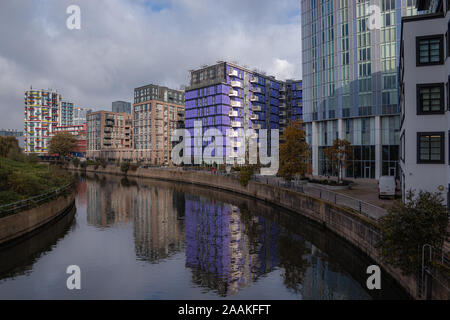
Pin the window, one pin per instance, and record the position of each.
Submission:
(430, 147)
(429, 50)
(430, 98)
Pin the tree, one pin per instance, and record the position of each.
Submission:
(421, 220)
(338, 156)
(294, 152)
(62, 144)
(7, 144)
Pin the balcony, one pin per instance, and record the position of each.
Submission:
(282, 105)
(283, 113)
(282, 121)
(233, 73)
(254, 117)
(232, 134)
(256, 126)
(282, 89)
(254, 98)
(236, 124)
(282, 97)
(235, 144)
(256, 108)
(233, 114)
(233, 93)
(236, 104)
(257, 90)
(236, 84)
(254, 80)
(253, 136)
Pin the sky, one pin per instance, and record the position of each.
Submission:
(124, 44)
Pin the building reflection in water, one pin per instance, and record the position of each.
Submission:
(157, 215)
(224, 253)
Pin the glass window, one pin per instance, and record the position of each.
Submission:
(429, 50)
(430, 98)
(430, 147)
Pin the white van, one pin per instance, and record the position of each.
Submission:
(386, 187)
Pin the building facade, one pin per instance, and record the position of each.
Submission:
(350, 67)
(65, 114)
(80, 115)
(121, 106)
(41, 119)
(109, 136)
(157, 112)
(233, 99)
(425, 100)
(79, 131)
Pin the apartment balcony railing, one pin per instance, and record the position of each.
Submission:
(282, 121)
(233, 114)
(254, 98)
(236, 124)
(233, 93)
(257, 90)
(235, 144)
(282, 105)
(254, 117)
(236, 104)
(233, 73)
(282, 89)
(233, 134)
(256, 126)
(256, 108)
(236, 84)
(254, 80)
(282, 97)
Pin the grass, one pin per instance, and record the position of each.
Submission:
(20, 180)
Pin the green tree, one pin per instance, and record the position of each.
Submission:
(62, 144)
(8, 145)
(421, 220)
(338, 156)
(294, 152)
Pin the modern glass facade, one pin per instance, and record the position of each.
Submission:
(350, 81)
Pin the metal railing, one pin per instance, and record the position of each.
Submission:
(364, 208)
(32, 202)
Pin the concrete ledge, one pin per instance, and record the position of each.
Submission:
(358, 230)
(19, 224)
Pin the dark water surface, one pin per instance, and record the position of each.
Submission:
(145, 239)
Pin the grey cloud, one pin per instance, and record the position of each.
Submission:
(123, 44)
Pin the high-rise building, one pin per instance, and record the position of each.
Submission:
(80, 115)
(350, 81)
(425, 100)
(234, 99)
(65, 114)
(41, 119)
(157, 112)
(121, 106)
(109, 136)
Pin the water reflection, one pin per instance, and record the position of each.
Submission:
(180, 241)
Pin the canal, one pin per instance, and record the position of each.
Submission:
(146, 239)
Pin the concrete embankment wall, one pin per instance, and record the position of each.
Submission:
(358, 230)
(21, 223)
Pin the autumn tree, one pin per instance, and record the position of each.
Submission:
(338, 156)
(62, 144)
(294, 152)
(7, 144)
(408, 226)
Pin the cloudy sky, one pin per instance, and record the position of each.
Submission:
(124, 44)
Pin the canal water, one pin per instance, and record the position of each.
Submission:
(146, 239)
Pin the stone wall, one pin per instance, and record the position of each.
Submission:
(19, 224)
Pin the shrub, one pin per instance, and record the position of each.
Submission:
(76, 162)
(124, 167)
(408, 226)
(246, 174)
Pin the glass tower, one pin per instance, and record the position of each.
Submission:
(350, 52)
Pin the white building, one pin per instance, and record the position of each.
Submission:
(424, 100)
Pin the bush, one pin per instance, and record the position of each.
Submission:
(408, 226)
(246, 174)
(76, 162)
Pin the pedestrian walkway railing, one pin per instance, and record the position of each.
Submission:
(366, 209)
(32, 202)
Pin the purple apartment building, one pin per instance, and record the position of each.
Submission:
(232, 99)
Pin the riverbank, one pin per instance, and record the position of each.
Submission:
(19, 224)
(358, 230)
